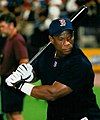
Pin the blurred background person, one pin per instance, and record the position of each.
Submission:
(14, 52)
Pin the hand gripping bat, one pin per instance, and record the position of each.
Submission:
(74, 19)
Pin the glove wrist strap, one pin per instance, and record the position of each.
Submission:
(27, 88)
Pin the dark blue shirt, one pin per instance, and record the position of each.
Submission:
(75, 71)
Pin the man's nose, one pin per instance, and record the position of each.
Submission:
(66, 42)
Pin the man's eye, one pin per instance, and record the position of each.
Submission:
(68, 38)
(61, 39)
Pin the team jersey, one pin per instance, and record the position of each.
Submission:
(75, 71)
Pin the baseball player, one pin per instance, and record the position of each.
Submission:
(66, 74)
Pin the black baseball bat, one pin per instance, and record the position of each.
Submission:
(74, 19)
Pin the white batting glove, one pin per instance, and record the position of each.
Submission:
(25, 70)
(13, 78)
(22, 74)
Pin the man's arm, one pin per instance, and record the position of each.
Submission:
(50, 92)
(24, 74)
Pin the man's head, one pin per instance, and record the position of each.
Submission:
(7, 22)
(61, 36)
(8, 18)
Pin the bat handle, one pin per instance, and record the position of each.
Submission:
(38, 54)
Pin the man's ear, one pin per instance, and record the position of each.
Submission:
(51, 39)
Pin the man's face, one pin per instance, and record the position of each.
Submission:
(63, 42)
(4, 28)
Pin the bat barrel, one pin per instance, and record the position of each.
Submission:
(76, 18)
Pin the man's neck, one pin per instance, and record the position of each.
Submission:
(13, 32)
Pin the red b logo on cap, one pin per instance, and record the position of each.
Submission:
(62, 22)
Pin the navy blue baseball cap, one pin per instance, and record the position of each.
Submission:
(57, 26)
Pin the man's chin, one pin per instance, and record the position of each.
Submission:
(66, 52)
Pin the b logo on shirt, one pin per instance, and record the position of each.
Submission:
(85, 118)
(62, 22)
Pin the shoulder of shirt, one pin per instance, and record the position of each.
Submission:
(18, 37)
